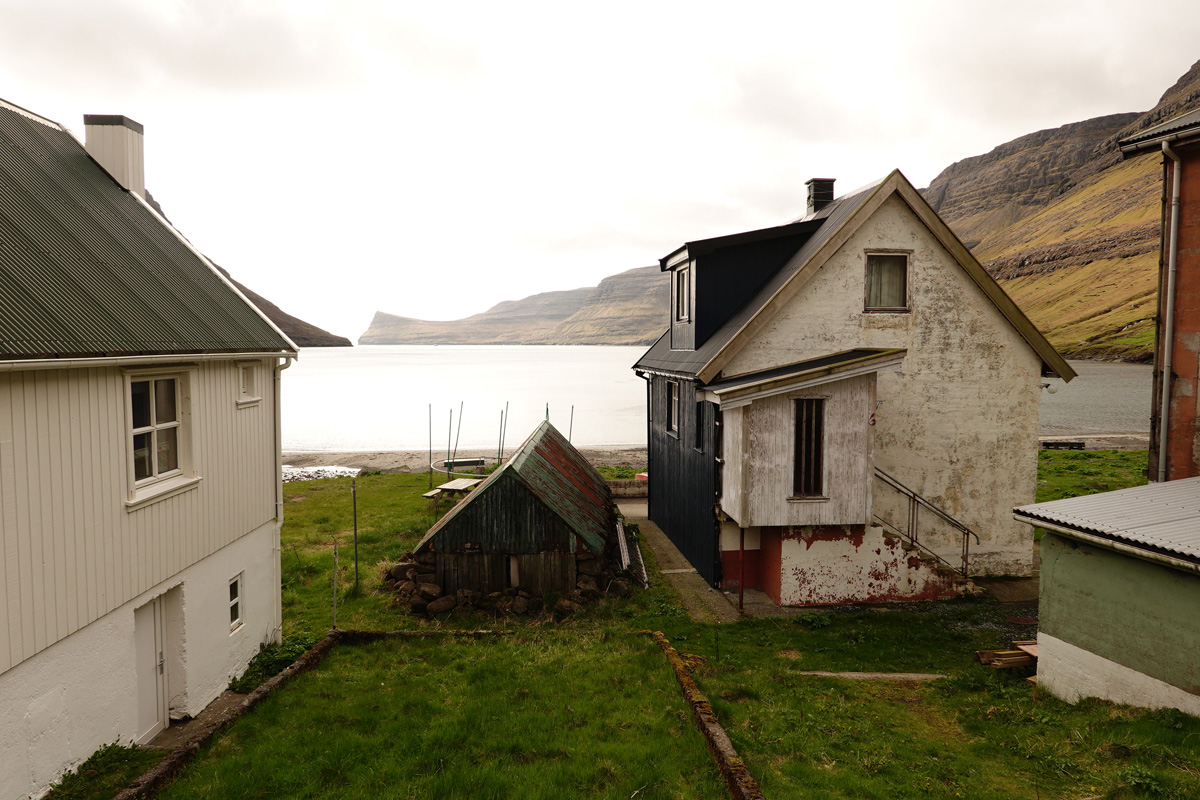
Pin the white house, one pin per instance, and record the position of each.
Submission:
(832, 387)
(140, 498)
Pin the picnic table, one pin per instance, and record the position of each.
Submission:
(458, 486)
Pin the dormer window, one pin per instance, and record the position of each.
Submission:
(887, 282)
(683, 294)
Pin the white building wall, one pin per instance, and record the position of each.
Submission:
(958, 423)
(72, 549)
(61, 705)
(1073, 673)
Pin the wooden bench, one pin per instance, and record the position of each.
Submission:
(433, 495)
(1062, 445)
(452, 466)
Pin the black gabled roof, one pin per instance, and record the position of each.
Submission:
(821, 226)
(702, 247)
(1181, 125)
(87, 269)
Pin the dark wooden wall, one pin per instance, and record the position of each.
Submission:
(683, 477)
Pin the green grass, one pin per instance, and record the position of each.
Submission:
(1075, 473)
(105, 773)
(543, 714)
(589, 708)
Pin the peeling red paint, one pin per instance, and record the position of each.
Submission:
(825, 533)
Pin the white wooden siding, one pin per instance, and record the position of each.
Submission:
(762, 439)
(72, 551)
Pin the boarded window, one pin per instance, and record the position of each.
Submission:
(807, 479)
(673, 406)
(887, 282)
(699, 426)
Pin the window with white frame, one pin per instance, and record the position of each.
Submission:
(156, 428)
(673, 407)
(887, 282)
(683, 294)
(248, 384)
(235, 603)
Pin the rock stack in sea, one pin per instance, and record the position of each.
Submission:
(416, 589)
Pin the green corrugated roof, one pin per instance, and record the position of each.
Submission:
(86, 269)
(559, 477)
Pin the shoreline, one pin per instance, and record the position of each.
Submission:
(389, 461)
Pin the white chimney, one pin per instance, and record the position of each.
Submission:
(115, 142)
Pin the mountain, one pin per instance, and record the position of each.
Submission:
(304, 334)
(1068, 228)
(628, 309)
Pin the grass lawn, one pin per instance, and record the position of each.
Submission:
(589, 708)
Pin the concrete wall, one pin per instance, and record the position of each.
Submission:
(958, 423)
(80, 693)
(1133, 613)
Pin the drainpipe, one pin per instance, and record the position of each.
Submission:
(278, 371)
(1169, 325)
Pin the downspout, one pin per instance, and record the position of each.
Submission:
(1169, 324)
(278, 371)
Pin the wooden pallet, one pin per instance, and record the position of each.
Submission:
(1022, 654)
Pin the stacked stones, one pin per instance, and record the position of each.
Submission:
(414, 583)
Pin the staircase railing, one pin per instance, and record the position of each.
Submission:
(915, 504)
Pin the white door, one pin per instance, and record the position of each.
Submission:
(149, 634)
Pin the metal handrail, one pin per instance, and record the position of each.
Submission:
(915, 503)
(883, 522)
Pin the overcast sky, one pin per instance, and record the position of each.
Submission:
(431, 159)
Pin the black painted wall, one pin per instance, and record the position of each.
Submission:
(683, 476)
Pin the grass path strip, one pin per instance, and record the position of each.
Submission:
(874, 676)
(741, 783)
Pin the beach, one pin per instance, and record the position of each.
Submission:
(389, 461)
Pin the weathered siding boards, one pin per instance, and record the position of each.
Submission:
(683, 481)
(769, 452)
(81, 538)
(507, 519)
(960, 419)
(733, 476)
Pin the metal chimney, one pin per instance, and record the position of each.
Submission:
(115, 141)
(820, 193)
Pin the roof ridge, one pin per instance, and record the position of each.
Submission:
(30, 115)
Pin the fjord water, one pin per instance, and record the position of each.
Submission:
(379, 397)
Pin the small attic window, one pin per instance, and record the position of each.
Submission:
(887, 282)
(683, 294)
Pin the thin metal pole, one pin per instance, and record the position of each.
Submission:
(449, 431)
(500, 441)
(431, 445)
(504, 430)
(571, 427)
(456, 434)
(547, 412)
(354, 503)
(741, 568)
(335, 571)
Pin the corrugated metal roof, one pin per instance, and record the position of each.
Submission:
(1151, 136)
(1160, 517)
(561, 478)
(86, 269)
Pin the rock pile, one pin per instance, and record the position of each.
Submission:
(416, 589)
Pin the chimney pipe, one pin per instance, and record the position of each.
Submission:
(820, 193)
(115, 141)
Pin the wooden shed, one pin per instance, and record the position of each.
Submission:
(527, 525)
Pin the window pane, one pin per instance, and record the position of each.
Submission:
(233, 591)
(139, 397)
(168, 450)
(164, 401)
(234, 613)
(887, 281)
(141, 456)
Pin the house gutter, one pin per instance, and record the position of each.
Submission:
(280, 366)
(1110, 544)
(1169, 324)
(24, 365)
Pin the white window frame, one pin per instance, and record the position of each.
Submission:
(672, 417)
(237, 603)
(901, 309)
(159, 486)
(249, 393)
(683, 293)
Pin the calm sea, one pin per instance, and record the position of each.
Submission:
(380, 397)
